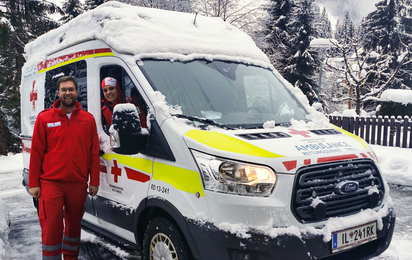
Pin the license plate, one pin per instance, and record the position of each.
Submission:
(352, 237)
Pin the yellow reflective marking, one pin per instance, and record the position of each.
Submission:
(182, 179)
(103, 54)
(66, 62)
(227, 143)
(77, 59)
(143, 165)
(357, 138)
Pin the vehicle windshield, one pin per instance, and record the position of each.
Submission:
(231, 94)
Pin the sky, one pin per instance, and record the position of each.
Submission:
(356, 8)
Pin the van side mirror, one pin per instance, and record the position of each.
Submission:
(125, 132)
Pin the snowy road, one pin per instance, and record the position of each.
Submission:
(25, 237)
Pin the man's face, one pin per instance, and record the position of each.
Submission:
(111, 93)
(67, 94)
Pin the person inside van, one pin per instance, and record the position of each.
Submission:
(112, 96)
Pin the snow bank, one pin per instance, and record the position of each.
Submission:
(11, 163)
(403, 96)
(4, 230)
(395, 163)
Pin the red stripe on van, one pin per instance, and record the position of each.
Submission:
(136, 175)
(337, 158)
(64, 58)
(290, 165)
(102, 50)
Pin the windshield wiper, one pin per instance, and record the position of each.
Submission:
(203, 120)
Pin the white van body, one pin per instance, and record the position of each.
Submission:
(228, 181)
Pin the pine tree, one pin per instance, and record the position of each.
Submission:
(71, 8)
(301, 61)
(91, 4)
(276, 33)
(22, 21)
(387, 34)
(324, 29)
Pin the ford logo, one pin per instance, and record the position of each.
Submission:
(346, 187)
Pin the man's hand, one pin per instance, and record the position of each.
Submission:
(35, 192)
(93, 190)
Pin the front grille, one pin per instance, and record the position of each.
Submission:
(319, 183)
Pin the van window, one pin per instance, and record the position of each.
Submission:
(78, 70)
(129, 94)
(228, 93)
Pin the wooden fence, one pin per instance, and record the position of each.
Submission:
(386, 131)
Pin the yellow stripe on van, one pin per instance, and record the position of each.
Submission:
(227, 143)
(54, 63)
(66, 62)
(134, 162)
(357, 138)
(182, 179)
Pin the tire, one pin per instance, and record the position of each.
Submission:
(162, 240)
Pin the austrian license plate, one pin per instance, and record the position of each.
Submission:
(352, 237)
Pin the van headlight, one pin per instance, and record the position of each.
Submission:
(233, 177)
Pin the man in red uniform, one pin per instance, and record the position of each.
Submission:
(64, 156)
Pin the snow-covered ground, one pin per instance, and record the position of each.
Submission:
(394, 162)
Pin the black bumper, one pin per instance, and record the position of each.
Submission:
(213, 243)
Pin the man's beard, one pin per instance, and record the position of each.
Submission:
(65, 103)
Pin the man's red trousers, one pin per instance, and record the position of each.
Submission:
(58, 200)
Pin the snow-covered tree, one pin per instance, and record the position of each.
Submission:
(301, 60)
(91, 4)
(387, 36)
(244, 15)
(71, 8)
(276, 32)
(346, 29)
(323, 26)
(172, 5)
(21, 21)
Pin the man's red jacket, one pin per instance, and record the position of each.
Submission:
(64, 150)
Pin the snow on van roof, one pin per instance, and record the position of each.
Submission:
(151, 33)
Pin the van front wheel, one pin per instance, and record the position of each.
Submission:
(162, 240)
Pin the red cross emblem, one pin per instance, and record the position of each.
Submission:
(33, 96)
(296, 132)
(116, 171)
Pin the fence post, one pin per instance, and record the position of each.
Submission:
(392, 130)
(351, 123)
(385, 130)
(331, 119)
(405, 131)
(362, 127)
(367, 126)
(373, 135)
(410, 132)
(356, 125)
(398, 131)
(345, 123)
(379, 134)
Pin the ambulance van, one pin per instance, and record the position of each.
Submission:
(219, 157)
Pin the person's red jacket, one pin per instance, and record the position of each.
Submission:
(64, 150)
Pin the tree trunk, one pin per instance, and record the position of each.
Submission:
(358, 101)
